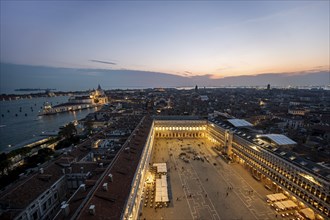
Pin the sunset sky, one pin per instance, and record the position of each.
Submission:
(221, 38)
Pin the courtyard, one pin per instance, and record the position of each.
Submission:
(201, 185)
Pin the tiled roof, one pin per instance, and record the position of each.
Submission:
(110, 204)
(21, 196)
(292, 157)
(175, 117)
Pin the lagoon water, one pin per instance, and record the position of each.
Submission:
(20, 123)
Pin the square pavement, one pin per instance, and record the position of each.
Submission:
(202, 190)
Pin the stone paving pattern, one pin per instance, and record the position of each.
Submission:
(202, 190)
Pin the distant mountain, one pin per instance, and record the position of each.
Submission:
(25, 76)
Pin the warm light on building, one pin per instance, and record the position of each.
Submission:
(276, 173)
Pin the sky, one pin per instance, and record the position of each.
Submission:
(185, 38)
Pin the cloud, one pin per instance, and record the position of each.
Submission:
(104, 62)
(224, 67)
(82, 79)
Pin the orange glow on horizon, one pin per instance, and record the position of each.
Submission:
(292, 70)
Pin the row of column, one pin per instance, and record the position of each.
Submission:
(167, 134)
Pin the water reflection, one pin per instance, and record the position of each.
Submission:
(15, 130)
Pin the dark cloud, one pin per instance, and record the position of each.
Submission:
(81, 79)
(104, 62)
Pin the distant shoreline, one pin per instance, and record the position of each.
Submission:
(37, 94)
(33, 89)
(11, 97)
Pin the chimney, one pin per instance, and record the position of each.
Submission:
(63, 170)
(70, 169)
(83, 187)
(82, 169)
(65, 209)
(105, 186)
(91, 209)
(41, 170)
(110, 177)
(101, 164)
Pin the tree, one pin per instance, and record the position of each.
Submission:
(88, 126)
(68, 131)
(4, 163)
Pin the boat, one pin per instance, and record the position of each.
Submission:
(65, 107)
(49, 133)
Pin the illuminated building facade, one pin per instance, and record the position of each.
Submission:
(99, 97)
(276, 168)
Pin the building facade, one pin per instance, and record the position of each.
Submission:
(278, 170)
(47, 204)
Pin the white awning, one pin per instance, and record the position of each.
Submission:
(271, 198)
(276, 197)
(161, 167)
(161, 190)
(279, 205)
(158, 198)
(308, 213)
(280, 196)
(289, 204)
(165, 198)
